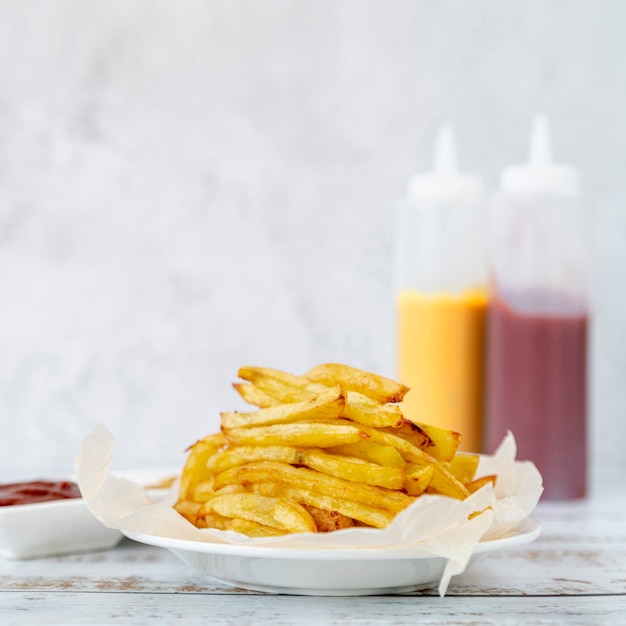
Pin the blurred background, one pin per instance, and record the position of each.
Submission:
(187, 187)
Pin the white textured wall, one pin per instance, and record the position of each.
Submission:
(189, 186)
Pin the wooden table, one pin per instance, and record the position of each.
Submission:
(575, 573)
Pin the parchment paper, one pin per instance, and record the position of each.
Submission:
(435, 524)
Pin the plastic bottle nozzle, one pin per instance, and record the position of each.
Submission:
(540, 144)
(445, 183)
(540, 175)
(445, 153)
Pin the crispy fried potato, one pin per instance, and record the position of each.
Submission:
(270, 388)
(377, 416)
(418, 478)
(327, 405)
(239, 455)
(412, 433)
(443, 443)
(283, 473)
(282, 385)
(442, 480)
(328, 521)
(371, 385)
(194, 470)
(253, 529)
(255, 396)
(274, 512)
(464, 466)
(352, 469)
(364, 513)
(310, 434)
(188, 509)
(320, 452)
(369, 450)
(475, 485)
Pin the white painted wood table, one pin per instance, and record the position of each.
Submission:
(575, 573)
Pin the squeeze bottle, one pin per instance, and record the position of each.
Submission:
(441, 297)
(539, 317)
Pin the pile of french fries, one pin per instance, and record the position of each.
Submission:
(321, 452)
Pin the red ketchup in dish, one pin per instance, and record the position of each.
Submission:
(37, 491)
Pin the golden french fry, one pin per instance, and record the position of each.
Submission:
(475, 485)
(303, 434)
(253, 529)
(320, 452)
(442, 481)
(210, 519)
(269, 511)
(369, 450)
(365, 513)
(328, 521)
(282, 385)
(444, 443)
(371, 385)
(283, 473)
(188, 509)
(194, 470)
(253, 395)
(377, 416)
(418, 478)
(204, 490)
(464, 467)
(327, 405)
(350, 468)
(353, 469)
(239, 455)
(412, 433)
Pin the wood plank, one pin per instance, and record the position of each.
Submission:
(35, 608)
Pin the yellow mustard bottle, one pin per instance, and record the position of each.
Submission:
(441, 297)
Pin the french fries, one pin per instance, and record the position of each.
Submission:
(320, 452)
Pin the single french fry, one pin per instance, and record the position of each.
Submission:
(353, 469)
(302, 434)
(328, 520)
(476, 484)
(194, 470)
(282, 385)
(444, 443)
(369, 450)
(372, 385)
(327, 405)
(254, 395)
(253, 529)
(418, 478)
(269, 511)
(377, 416)
(412, 433)
(464, 466)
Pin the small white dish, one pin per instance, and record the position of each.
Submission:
(43, 529)
(67, 526)
(323, 571)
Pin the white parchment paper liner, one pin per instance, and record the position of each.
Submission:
(434, 524)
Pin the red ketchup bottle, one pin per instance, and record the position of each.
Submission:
(538, 322)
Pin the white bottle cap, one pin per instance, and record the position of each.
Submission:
(445, 183)
(540, 175)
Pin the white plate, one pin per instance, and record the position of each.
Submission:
(323, 572)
